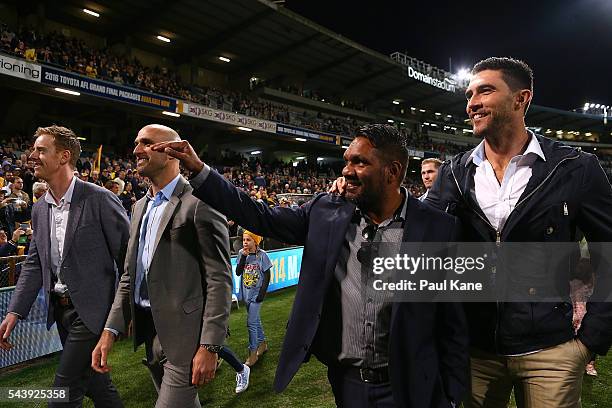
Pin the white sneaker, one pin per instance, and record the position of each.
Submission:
(242, 379)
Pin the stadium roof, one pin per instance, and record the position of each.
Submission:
(271, 42)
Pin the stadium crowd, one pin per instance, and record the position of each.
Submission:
(75, 55)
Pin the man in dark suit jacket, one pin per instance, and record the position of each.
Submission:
(79, 240)
(377, 353)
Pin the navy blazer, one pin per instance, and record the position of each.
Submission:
(428, 354)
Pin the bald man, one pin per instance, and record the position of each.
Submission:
(177, 283)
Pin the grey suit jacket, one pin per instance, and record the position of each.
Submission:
(189, 280)
(94, 248)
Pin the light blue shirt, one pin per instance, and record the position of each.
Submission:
(152, 227)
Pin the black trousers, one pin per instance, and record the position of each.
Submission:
(353, 393)
(74, 370)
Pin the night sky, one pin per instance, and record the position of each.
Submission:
(568, 43)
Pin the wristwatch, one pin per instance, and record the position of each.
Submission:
(213, 348)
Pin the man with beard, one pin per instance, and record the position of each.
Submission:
(80, 234)
(517, 186)
(378, 353)
(177, 285)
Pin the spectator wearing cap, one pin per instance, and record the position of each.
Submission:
(254, 268)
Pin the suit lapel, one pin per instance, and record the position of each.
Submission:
(169, 210)
(74, 215)
(417, 222)
(341, 219)
(43, 233)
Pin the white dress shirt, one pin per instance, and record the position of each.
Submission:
(58, 222)
(498, 200)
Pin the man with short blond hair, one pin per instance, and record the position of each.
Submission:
(429, 172)
(79, 238)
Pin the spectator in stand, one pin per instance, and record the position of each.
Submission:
(17, 191)
(95, 178)
(112, 186)
(7, 213)
(9, 247)
(128, 198)
(38, 190)
(104, 176)
(120, 179)
(22, 202)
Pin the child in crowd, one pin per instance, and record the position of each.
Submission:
(254, 267)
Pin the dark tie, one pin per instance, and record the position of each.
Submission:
(141, 281)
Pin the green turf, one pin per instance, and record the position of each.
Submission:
(309, 388)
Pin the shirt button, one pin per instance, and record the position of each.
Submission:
(549, 230)
(532, 291)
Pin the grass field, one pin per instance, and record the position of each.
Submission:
(308, 389)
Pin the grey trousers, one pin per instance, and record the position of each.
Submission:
(172, 382)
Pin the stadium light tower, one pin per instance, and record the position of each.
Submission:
(464, 74)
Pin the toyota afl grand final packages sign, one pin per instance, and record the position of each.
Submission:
(106, 89)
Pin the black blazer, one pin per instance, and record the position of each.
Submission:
(566, 193)
(428, 356)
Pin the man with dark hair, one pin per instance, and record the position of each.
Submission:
(79, 240)
(378, 353)
(517, 186)
(429, 173)
(515, 73)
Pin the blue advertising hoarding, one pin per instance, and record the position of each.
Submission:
(285, 270)
(32, 339)
(104, 89)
